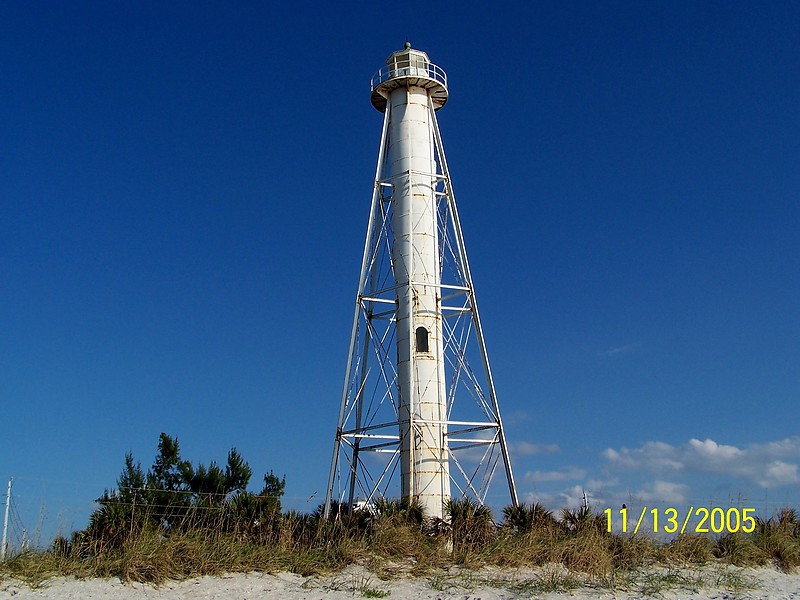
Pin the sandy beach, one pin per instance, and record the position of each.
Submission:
(715, 582)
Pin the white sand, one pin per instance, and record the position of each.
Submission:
(356, 582)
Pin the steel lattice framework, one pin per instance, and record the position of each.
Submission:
(367, 442)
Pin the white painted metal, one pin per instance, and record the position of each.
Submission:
(409, 355)
(420, 350)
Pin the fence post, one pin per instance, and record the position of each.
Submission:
(5, 521)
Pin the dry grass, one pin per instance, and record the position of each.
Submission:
(687, 549)
(399, 541)
(740, 550)
(779, 539)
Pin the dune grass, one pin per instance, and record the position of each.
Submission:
(573, 549)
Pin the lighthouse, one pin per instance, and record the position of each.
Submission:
(416, 328)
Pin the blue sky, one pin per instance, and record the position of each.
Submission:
(185, 190)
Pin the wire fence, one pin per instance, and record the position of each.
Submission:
(41, 510)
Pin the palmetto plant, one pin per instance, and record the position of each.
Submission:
(472, 524)
(110, 525)
(582, 519)
(524, 518)
(410, 512)
(789, 521)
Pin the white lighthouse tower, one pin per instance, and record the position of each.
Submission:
(416, 323)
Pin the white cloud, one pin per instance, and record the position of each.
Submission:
(780, 473)
(653, 473)
(552, 501)
(530, 449)
(516, 417)
(627, 348)
(714, 453)
(544, 476)
(596, 490)
(652, 456)
(601, 484)
(759, 463)
(571, 497)
(787, 447)
(663, 492)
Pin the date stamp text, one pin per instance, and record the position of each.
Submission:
(693, 521)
